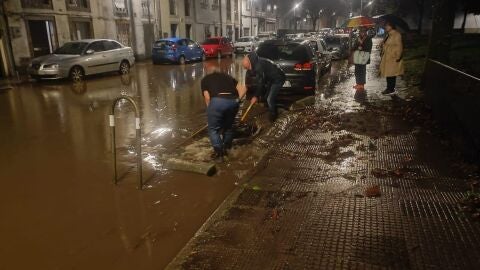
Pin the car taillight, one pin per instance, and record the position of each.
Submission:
(304, 66)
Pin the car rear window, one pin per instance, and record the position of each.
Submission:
(163, 43)
(292, 51)
(210, 41)
(244, 39)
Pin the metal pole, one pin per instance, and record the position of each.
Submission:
(361, 7)
(251, 18)
(138, 139)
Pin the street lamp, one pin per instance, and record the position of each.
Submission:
(361, 5)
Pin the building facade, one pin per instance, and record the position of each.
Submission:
(31, 28)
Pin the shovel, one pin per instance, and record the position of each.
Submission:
(246, 113)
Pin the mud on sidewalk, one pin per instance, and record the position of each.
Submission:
(352, 186)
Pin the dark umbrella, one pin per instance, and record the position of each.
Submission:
(397, 21)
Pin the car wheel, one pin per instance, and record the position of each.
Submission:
(181, 60)
(76, 74)
(124, 68)
(219, 54)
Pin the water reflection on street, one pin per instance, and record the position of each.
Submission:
(58, 205)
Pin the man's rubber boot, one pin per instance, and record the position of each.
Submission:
(217, 155)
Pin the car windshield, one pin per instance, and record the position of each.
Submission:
(211, 41)
(293, 51)
(244, 39)
(163, 43)
(74, 48)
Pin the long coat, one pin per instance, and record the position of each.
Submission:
(392, 63)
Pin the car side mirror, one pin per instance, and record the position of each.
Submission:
(90, 51)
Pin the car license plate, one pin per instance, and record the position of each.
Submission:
(287, 84)
(240, 49)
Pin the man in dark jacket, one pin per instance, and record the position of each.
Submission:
(266, 73)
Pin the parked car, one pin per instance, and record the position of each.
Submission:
(339, 45)
(245, 44)
(76, 59)
(297, 59)
(176, 50)
(324, 56)
(217, 47)
(266, 36)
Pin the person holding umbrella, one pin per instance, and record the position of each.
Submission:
(391, 64)
(361, 57)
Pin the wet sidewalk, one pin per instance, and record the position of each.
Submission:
(357, 183)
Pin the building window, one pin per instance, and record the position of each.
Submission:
(215, 4)
(246, 4)
(204, 4)
(235, 10)
(81, 5)
(47, 4)
(80, 28)
(123, 32)
(207, 31)
(187, 7)
(120, 7)
(173, 7)
(146, 8)
(229, 10)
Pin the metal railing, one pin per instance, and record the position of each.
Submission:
(138, 139)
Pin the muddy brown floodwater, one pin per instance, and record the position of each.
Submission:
(58, 206)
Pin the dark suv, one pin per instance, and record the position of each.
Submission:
(297, 59)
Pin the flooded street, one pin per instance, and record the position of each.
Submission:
(58, 204)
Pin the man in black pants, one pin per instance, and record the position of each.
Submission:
(266, 72)
(222, 93)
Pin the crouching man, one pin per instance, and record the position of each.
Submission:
(266, 73)
(222, 94)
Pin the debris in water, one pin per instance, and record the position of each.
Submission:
(256, 188)
(174, 195)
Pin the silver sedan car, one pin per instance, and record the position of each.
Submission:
(76, 59)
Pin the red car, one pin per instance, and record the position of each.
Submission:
(217, 47)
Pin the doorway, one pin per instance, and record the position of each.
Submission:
(188, 30)
(173, 30)
(148, 38)
(42, 36)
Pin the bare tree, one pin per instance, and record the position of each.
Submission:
(442, 28)
(316, 8)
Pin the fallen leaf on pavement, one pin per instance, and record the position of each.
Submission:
(373, 191)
